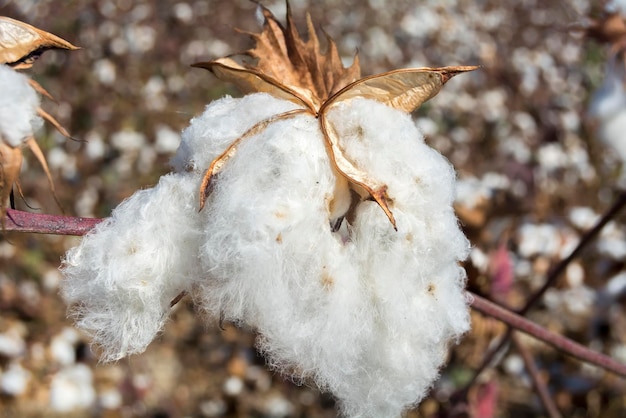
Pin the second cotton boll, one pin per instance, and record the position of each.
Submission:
(366, 312)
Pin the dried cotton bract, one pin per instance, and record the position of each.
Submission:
(327, 226)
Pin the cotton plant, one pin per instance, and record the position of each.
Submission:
(310, 210)
(20, 111)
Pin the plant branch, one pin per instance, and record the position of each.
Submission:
(585, 240)
(551, 279)
(557, 341)
(66, 225)
(19, 221)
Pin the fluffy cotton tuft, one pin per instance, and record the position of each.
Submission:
(366, 312)
(18, 107)
(369, 318)
(122, 277)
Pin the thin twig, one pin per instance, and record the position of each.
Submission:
(557, 341)
(585, 240)
(535, 376)
(551, 279)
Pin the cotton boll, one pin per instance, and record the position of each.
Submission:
(370, 318)
(124, 274)
(18, 107)
(366, 312)
(14, 380)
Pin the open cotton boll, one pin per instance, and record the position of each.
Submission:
(368, 318)
(122, 277)
(18, 107)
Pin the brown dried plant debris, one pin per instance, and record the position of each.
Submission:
(290, 68)
(10, 164)
(20, 46)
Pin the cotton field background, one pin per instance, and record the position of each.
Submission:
(529, 134)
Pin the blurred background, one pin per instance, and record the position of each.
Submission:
(533, 176)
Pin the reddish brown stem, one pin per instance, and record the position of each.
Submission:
(67, 225)
(551, 279)
(555, 340)
(38, 223)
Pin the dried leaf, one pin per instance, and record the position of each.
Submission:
(251, 81)
(501, 273)
(21, 44)
(282, 54)
(54, 122)
(34, 147)
(610, 29)
(10, 164)
(484, 400)
(403, 89)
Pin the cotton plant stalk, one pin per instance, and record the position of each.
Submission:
(325, 224)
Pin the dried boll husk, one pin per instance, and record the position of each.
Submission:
(21, 44)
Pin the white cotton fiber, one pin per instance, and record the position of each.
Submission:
(18, 107)
(223, 121)
(366, 312)
(369, 319)
(122, 277)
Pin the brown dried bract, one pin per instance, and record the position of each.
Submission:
(283, 55)
(290, 68)
(21, 44)
(10, 164)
